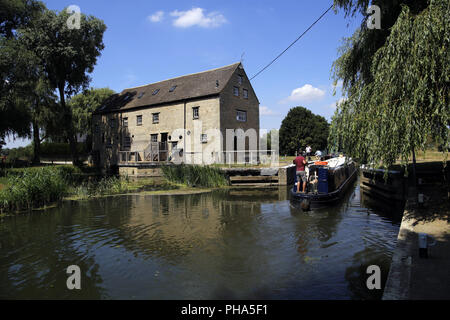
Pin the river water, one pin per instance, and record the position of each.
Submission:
(247, 243)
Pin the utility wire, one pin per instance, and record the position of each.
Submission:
(292, 43)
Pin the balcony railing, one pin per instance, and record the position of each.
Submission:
(150, 155)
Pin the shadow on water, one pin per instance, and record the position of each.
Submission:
(242, 243)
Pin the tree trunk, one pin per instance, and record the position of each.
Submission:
(36, 144)
(69, 127)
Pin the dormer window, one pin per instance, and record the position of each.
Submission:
(172, 89)
(141, 95)
(155, 92)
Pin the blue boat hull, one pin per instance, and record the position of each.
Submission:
(321, 200)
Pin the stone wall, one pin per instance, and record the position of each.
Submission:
(231, 103)
(140, 171)
(286, 175)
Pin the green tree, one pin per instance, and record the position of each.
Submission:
(67, 55)
(83, 105)
(33, 93)
(300, 128)
(14, 115)
(266, 139)
(396, 87)
(29, 90)
(15, 14)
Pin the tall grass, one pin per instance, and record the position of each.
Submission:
(195, 176)
(106, 185)
(29, 189)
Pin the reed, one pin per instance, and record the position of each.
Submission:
(34, 188)
(195, 176)
(104, 186)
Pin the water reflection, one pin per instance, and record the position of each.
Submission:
(229, 244)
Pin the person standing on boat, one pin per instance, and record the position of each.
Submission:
(308, 151)
(318, 154)
(300, 163)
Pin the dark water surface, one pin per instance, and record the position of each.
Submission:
(229, 244)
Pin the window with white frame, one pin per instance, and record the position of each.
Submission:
(236, 91)
(154, 137)
(155, 117)
(204, 138)
(245, 92)
(125, 122)
(241, 115)
(196, 112)
(240, 79)
(139, 120)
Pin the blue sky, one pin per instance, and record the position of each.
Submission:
(149, 41)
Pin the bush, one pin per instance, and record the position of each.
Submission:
(21, 153)
(195, 176)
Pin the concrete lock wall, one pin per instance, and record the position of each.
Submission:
(286, 175)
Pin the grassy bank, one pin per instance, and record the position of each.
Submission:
(195, 176)
(24, 189)
(428, 156)
(118, 185)
(33, 188)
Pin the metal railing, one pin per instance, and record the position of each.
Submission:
(143, 156)
(150, 155)
(249, 156)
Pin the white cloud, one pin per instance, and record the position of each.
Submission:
(156, 17)
(265, 111)
(305, 93)
(196, 17)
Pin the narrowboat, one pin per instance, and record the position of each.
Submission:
(327, 182)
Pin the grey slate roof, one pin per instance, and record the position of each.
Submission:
(187, 87)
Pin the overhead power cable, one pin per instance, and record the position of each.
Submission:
(312, 25)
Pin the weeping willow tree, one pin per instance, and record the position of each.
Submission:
(396, 83)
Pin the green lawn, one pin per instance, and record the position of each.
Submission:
(429, 156)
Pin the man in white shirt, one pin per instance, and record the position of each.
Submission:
(308, 151)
